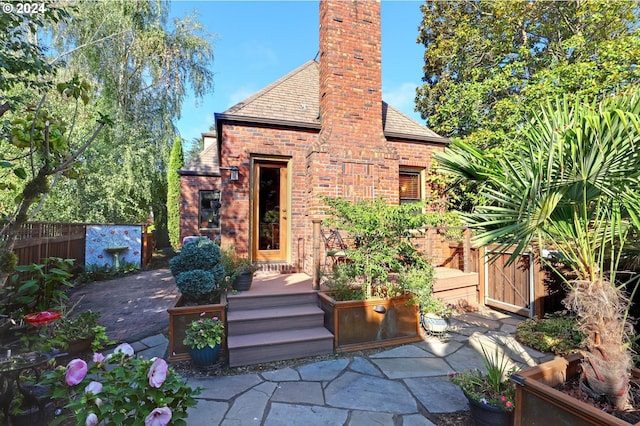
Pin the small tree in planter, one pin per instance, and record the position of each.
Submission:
(380, 252)
(381, 236)
(574, 186)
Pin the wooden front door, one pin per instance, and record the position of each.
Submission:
(270, 211)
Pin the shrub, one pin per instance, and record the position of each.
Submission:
(196, 284)
(382, 238)
(200, 254)
(557, 333)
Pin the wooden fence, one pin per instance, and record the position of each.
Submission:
(38, 240)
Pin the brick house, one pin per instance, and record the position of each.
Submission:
(322, 129)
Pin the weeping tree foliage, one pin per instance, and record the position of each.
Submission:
(144, 66)
(573, 184)
(176, 161)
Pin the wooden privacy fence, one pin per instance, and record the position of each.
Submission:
(38, 240)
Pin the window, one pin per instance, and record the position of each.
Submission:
(209, 213)
(410, 189)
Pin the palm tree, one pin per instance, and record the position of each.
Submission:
(574, 187)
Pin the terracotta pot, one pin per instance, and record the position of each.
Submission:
(488, 415)
(538, 403)
(78, 346)
(204, 357)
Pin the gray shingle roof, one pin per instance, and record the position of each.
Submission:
(204, 164)
(295, 98)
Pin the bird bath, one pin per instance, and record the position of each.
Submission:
(115, 252)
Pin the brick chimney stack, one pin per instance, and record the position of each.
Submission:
(350, 73)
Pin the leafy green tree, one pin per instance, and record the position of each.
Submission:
(42, 141)
(144, 65)
(176, 161)
(23, 59)
(574, 186)
(489, 62)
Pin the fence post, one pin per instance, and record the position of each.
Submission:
(316, 254)
(482, 251)
(466, 251)
(539, 289)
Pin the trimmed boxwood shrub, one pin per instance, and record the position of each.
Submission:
(196, 284)
(199, 254)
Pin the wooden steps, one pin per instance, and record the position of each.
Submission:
(455, 286)
(263, 327)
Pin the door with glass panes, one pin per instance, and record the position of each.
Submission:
(270, 210)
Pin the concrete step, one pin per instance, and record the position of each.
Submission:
(278, 345)
(245, 301)
(282, 318)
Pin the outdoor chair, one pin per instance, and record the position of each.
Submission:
(335, 248)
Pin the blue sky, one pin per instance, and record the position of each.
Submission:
(257, 42)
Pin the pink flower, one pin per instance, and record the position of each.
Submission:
(94, 388)
(157, 373)
(203, 314)
(158, 417)
(503, 398)
(508, 404)
(76, 370)
(98, 357)
(92, 420)
(215, 318)
(124, 348)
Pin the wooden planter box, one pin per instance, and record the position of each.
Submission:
(357, 325)
(538, 403)
(180, 316)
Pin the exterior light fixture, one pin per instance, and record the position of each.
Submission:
(379, 309)
(234, 173)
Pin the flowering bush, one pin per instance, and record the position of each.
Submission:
(203, 332)
(494, 387)
(121, 389)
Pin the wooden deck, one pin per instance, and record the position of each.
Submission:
(279, 317)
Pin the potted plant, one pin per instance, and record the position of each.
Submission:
(121, 389)
(200, 277)
(75, 334)
(367, 305)
(490, 393)
(239, 270)
(573, 186)
(202, 337)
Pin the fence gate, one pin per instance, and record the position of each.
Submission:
(509, 287)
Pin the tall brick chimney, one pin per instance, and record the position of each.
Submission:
(350, 72)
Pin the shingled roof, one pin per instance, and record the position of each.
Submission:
(294, 100)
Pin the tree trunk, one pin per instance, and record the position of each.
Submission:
(600, 308)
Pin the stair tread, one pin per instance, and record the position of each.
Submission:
(278, 337)
(277, 312)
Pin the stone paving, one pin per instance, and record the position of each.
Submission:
(404, 385)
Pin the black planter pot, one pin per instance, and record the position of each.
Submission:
(489, 415)
(243, 281)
